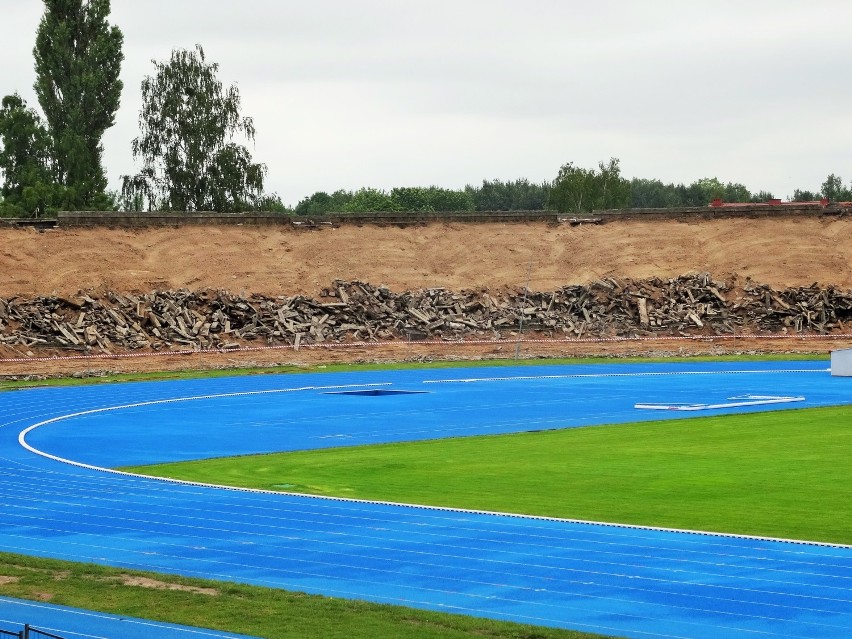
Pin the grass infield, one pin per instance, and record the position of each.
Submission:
(778, 474)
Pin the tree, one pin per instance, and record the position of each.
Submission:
(368, 200)
(188, 125)
(78, 57)
(804, 196)
(834, 190)
(517, 195)
(321, 202)
(440, 199)
(652, 194)
(28, 186)
(410, 198)
(761, 197)
(576, 189)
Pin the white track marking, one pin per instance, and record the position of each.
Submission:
(745, 400)
(600, 375)
(194, 632)
(22, 441)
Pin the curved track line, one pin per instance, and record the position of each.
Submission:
(23, 434)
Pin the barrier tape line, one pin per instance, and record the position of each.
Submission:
(292, 347)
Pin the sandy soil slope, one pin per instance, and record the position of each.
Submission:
(283, 261)
(279, 261)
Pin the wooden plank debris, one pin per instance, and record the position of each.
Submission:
(693, 304)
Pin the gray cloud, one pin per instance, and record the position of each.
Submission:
(383, 92)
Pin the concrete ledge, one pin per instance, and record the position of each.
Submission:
(173, 218)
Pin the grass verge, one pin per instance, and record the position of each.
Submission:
(249, 610)
(779, 474)
(10, 384)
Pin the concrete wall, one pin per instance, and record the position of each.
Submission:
(841, 363)
(175, 218)
(172, 218)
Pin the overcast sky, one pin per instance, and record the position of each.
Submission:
(383, 93)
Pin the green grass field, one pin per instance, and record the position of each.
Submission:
(779, 474)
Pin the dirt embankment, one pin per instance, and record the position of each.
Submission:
(283, 261)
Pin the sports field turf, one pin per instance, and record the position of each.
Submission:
(779, 474)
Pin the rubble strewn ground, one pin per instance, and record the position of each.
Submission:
(348, 312)
(109, 291)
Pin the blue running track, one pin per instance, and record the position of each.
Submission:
(73, 623)
(610, 579)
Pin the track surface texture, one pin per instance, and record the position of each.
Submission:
(611, 579)
(73, 623)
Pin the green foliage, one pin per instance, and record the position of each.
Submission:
(28, 185)
(411, 198)
(368, 200)
(655, 194)
(804, 196)
(703, 191)
(576, 188)
(272, 203)
(579, 190)
(760, 196)
(516, 195)
(78, 57)
(834, 190)
(652, 194)
(188, 123)
(321, 203)
(431, 198)
(439, 199)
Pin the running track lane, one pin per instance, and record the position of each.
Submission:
(74, 623)
(608, 579)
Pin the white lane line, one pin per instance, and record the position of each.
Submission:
(744, 400)
(22, 441)
(707, 569)
(601, 375)
(197, 632)
(319, 566)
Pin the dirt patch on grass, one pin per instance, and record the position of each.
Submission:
(146, 582)
(5, 580)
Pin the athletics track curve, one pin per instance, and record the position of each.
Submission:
(613, 580)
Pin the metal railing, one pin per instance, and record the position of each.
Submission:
(28, 633)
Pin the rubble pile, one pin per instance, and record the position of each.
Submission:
(355, 311)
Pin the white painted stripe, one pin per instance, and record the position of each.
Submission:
(195, 632)
(22, 441)
(757, 400)
(602, 375)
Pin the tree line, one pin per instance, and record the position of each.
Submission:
(192, 136)
(574, 190)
